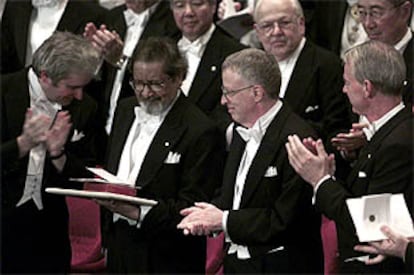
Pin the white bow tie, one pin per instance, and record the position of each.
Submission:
(247, 134)
(131, 18)
(188, 47)
(145, 118)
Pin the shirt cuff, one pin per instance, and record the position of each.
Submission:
(322, 180)
(144, 209)
(224, 225)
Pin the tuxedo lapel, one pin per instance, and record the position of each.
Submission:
(119, 136)
(208, 68)
(301, 77)
(21, 29)
(18, 102)
(270, 145)
(164, 141)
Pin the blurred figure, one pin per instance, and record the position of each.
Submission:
(395, 246)
(27, 23)
(384, 165)
(263, 206)
(42, 147)
(167, 148)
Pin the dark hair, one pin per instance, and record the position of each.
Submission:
(163, 50)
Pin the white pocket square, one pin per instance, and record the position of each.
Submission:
(311, 108)
(362, 174)
(271, 172)
(77, 136)
(173, 158)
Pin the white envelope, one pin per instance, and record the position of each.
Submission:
(369, 213)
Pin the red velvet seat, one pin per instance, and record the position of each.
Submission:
(85, 236)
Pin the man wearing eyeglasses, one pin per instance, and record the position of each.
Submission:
(311, 76)
(125, 26)
(263, 208)
(167, 148)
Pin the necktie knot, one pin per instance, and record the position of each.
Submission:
(248, 133)
(146, 118)
(131, 18)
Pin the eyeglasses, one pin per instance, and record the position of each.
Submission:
(268, 27)
(154, 85)
(180, 4)
(376, 13)
(226, 93)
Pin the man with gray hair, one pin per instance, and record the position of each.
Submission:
(374, 75)
(46, 137)
(263, 207)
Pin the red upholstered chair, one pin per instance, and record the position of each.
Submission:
(85, 236)
(215, 254)
(330, 246)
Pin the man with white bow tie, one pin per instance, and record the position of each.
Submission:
(166, 147)
(262, 207)
(27, 23)
(125, 26)
(42, 147)
(205, 46)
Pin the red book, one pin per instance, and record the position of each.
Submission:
(111, 188)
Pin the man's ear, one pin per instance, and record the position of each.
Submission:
(44, 78)
(258, 93)
(369, 89)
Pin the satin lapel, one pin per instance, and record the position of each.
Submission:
(409, 60)
(155, 25)
(17, 103)
(302, 75)
(120, 134)
(68, 21)
(230, 171)
(268, 148)
(168, 135)
(208, 69)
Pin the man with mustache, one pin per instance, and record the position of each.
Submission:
(167, 148)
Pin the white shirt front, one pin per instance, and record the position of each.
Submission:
(39, 104)
(287, 65)
(140, 137)
(193, 51)
(43, 22)
(252, 145)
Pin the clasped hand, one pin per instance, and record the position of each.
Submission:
(42, 129)
(201, 219)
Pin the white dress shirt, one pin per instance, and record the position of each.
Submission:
(43, 22)
(140, 137)
(193, 51)
(39, 105)
(253, 138)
